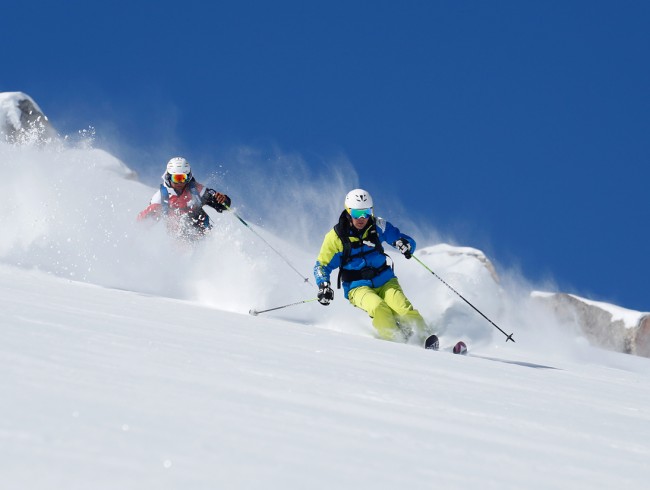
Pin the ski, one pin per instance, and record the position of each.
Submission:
(460, 348)
(432, 343)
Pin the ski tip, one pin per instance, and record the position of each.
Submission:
(252, 312)
(432, 343)
(460, 348)
(509, 337)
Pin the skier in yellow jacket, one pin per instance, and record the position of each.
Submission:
(355, 246)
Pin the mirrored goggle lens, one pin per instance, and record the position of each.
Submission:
(361, 213)
(178, 178)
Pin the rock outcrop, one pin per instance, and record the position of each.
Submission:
(22, 121)
(642, 337)
(604, 325)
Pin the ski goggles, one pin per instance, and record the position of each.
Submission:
(360, 213)
(179, 178)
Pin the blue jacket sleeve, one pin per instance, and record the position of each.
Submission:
(390, 233)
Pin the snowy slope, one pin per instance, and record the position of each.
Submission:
(115, 389)
(128, 362)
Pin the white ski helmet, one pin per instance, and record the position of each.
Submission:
(178, 165)
(358, 199)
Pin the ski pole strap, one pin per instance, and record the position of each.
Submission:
(508, 337)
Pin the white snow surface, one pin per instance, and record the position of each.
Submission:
(129, 362)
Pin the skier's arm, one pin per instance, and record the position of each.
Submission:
(329, 257)
(154, 210)
(151, 211)
(391, 235)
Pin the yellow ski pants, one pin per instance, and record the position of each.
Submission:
(392, 313)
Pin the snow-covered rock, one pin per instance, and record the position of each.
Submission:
(474, 255)
(22, 121)
(603, 324)
(458, 271)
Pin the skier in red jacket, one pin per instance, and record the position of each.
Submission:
(180, 201)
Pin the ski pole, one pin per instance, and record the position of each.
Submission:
(255, 312)
(508, 337)
(269, 245)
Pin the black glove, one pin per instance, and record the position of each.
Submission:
(216, 200)
(325, 294)
(404, 247)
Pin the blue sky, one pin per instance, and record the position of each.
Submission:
(520, 128)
